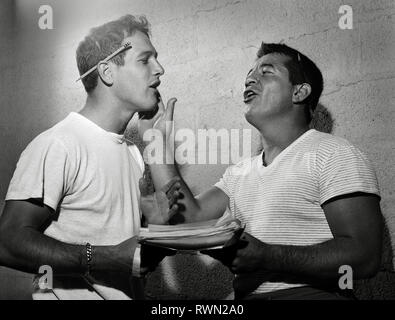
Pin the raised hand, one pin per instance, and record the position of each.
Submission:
(161, 121)
(160, 207)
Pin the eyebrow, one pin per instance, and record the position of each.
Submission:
(269, 65)
(147, 53)
(263, 65)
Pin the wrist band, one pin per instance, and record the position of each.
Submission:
(88, 258)
(136, 262)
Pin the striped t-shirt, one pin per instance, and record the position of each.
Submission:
(281, 203)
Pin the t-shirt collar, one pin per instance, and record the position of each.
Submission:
(281, 154)
(114, 136)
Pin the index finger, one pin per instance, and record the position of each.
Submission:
(161, 106)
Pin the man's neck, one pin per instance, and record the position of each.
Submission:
(106, 114)
(276, 137)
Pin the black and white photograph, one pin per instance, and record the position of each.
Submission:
(213, 152)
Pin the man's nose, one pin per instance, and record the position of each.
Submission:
(251, 79)
(159, 70)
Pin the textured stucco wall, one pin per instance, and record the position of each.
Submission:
(207, 47)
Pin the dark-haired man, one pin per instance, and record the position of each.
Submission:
(310, 200)
(73, 203)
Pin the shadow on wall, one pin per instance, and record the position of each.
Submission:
(322, 119)
(388, 257)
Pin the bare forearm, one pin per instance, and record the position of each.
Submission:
(356, 224)
(165, 170)
(189, 206)
(321, 261)
(28, 249)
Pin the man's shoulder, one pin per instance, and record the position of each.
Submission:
(244, 166)
(61, 134)
(327, 142)
(329, 147)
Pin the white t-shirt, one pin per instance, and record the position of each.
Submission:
(281, 203)
(91, 179)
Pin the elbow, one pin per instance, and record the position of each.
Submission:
(367, 258)
(369, 266)
(5, 248)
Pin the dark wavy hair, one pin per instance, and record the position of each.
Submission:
(104, 40)
(301, 70)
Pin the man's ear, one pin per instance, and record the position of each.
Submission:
(301, 93)
(105, 74)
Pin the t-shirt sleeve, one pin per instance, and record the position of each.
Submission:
(347, 170)
(41, 172)
(226, 182)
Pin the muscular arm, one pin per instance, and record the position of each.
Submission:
(356, 224)
(23, 245)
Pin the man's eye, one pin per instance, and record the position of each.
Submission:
(144, 60)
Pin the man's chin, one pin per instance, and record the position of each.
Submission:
(149, 113)
(249, 117)
(247, 112)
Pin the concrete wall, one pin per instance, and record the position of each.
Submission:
(207, 47)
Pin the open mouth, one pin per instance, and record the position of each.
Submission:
(155, 84)
(154, 87)
(249, 95)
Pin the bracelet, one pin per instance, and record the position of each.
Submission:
(88, 247)
(136, 262)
